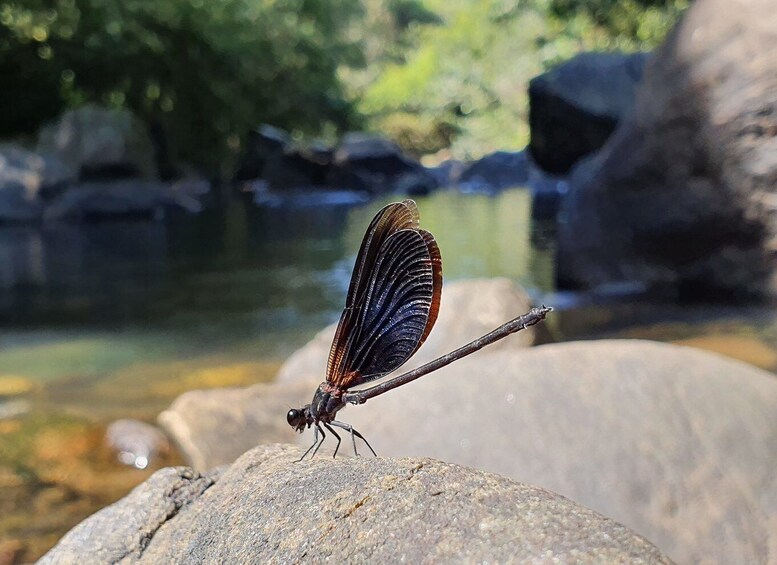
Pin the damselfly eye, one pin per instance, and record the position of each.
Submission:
(294, 417)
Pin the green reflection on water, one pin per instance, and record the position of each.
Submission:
(247, 282)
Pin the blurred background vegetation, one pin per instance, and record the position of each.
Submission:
(432, 74)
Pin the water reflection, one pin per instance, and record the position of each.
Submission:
(243, 262)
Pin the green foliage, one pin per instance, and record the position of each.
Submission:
(467, 75)
(205, 70)
(433, 74)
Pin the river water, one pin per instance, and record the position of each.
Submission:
(115, 319)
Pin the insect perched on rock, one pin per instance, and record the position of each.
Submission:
(393, 301)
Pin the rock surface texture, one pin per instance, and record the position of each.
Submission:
(266, 508)
(676, 443)
(685, 191)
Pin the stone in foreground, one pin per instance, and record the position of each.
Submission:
(267, 508)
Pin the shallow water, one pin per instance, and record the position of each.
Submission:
(87, 302)
(116, 319)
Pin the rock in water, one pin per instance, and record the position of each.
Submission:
(576, 106)
(216, 426)
(100, 143)
(26, 181)
(684, 193)
(495, 171)
(267, 508)
(372, 163)
(468, 309)
(136, 443)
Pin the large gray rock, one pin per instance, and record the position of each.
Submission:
(684, 193)
(468, 309)
(263, 144)
(100, 142)
(214, 427)
(576, 106)
(266, 508)
(675, 443)
(121, 532)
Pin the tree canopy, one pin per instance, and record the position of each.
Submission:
(433, 74)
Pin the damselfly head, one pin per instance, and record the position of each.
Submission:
(297, 418)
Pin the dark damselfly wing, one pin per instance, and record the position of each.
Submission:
(393, 298)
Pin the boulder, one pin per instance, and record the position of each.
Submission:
(297, 168)
(375, 164)
(263, 143)
(121, 198)
(268, 508)
(468, 309)
(575, 107)
(100, 143)
(498, 170)
(26, 180)
(675, 443)
(448, 172)
(683, 195)
(547, 194)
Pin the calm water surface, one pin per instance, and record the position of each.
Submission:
(83, 305)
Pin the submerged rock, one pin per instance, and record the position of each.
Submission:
(268, 508)
(136, 443)
(683, 194)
